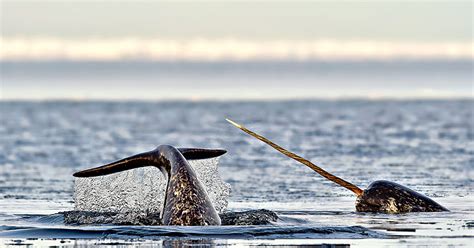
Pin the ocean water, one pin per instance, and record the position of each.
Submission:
(224, 80)
(423, 144)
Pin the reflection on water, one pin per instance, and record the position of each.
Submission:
(174, 243)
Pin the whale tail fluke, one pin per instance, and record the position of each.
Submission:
(302, 160)
(148, 159)
(201, 153)
(135, 161)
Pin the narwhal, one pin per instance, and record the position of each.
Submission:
(186, 201)
(380, 197)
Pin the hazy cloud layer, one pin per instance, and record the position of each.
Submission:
(227, 49)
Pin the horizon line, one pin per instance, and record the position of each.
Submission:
(226, 49)
(256, 99)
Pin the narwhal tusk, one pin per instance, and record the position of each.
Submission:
(302, 160)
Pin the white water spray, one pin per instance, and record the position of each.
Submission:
(142, 190)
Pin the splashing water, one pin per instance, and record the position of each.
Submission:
(142, 190)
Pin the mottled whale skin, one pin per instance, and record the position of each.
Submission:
(389, 197)
(186, 200)
(380, 197)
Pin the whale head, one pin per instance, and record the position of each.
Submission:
(392, 198)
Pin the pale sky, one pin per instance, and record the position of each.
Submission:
(295, 20)
(228, 30)
(107, 49)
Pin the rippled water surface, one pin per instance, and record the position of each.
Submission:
(425, 145)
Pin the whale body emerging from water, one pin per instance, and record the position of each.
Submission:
(186, 201)
(380, 197)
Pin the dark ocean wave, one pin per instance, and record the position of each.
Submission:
(151, 232)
